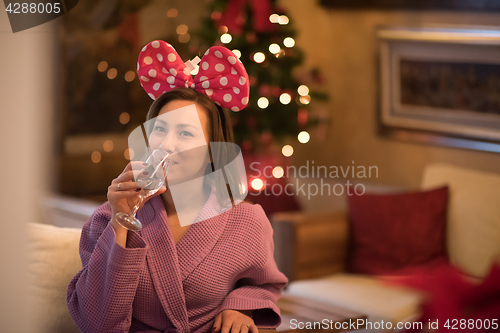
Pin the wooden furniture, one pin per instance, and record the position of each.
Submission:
(305, 242)
(295, 310)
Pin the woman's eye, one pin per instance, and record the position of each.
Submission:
(159, 129)
(186, 133)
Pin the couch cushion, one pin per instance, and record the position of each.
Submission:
(53, 262)
(391, 232)
(473, 218)
(378, 300)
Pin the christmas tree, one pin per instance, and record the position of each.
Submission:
(262, 36)
(278, 112)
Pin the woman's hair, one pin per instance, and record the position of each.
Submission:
(220, 132)
(219, 128)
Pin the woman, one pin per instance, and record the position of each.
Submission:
(215, 273)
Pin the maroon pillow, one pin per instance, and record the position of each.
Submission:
(392, 232)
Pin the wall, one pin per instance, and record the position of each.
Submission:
(79, 176)
(27, 67)
(342, 44)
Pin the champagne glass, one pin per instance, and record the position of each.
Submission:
(151, 178)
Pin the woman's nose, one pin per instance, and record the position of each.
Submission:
(168, 144)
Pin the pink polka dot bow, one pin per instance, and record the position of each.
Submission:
(221, 75)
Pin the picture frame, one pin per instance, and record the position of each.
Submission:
(450, 5)
(441, 86)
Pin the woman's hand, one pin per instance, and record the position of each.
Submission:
(232, 321)
(123, 198)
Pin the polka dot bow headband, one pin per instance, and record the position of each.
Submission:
(221, 75)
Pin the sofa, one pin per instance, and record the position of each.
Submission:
(53, 261)
(312, 248)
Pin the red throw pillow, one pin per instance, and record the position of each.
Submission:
(392, 232)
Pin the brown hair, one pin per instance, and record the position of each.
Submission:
(219, 130)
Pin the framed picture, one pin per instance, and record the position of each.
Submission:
(464, 5)
(441, 86)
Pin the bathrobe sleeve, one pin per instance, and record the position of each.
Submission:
(259, 286)
(100, 296)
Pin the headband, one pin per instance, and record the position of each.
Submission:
(221, 75)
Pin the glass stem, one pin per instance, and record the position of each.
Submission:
(138, 204)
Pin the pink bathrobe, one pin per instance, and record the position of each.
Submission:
(155, 285)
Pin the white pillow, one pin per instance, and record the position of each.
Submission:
(53, 262)
(473, 230)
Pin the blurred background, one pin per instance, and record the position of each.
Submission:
(315, 83)
(70, 96)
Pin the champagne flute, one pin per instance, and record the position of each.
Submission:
(151, 178)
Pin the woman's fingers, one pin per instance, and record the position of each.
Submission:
(217, 323)
(134, 165)
(124, 177)
(124, 186)
(244, 328)
(128, 173)
(226, 326)
(162, 190)
(116, 197)
(238, 327)
(234, 321)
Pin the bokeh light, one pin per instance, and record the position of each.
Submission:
(259, 57)
(95, 157)
(215, 15)
(124, 118)
(283, 20)
(289, 42)
(263, 102)
(285, 98)
(129, 153)
(274, 48)
(130, 76)
(278, 172)
(305, 99)
(108, 146)
(226, 38)
(184, 38)
(287, 150)
(257, 184)
(237, 53)
(303, 90)
(112, 73)
(102, 66)
(222, 29)
(274, 18)
(303, 137)
(182, 29)
(172, 12)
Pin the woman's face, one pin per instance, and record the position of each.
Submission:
(181, 129)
